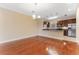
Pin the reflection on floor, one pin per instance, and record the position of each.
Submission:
(39, 45)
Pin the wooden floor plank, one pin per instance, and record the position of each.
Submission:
(37, 46)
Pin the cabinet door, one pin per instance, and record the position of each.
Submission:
(60, 23)
(73, 20)
(65, 23)
(65, 32)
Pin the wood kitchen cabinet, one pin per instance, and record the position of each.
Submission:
(63, 23)
(65, 32)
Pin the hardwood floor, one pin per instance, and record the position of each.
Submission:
(37, 46)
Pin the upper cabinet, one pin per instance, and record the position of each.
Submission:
(63, 23)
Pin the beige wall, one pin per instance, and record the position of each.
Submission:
(15, 25)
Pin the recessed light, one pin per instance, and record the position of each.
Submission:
(35, 3)
(65, 15)
(38, 16)
(46, 16)
(33, 11)
(34, 16)
(56, 13)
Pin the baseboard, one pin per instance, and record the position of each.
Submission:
(19, 38)
(50, 36)
(60, 38)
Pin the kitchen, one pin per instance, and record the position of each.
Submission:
(67, 27)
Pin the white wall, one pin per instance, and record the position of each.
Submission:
(14, 25)
(77, 25)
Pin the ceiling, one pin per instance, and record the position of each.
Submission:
(45, 10)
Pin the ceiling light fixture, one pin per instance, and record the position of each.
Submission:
(38, 16)
(35, 4)
(34, 16)
(65, 15)
(34, 13)
(53, 17)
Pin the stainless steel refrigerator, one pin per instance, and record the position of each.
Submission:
(72, 30)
